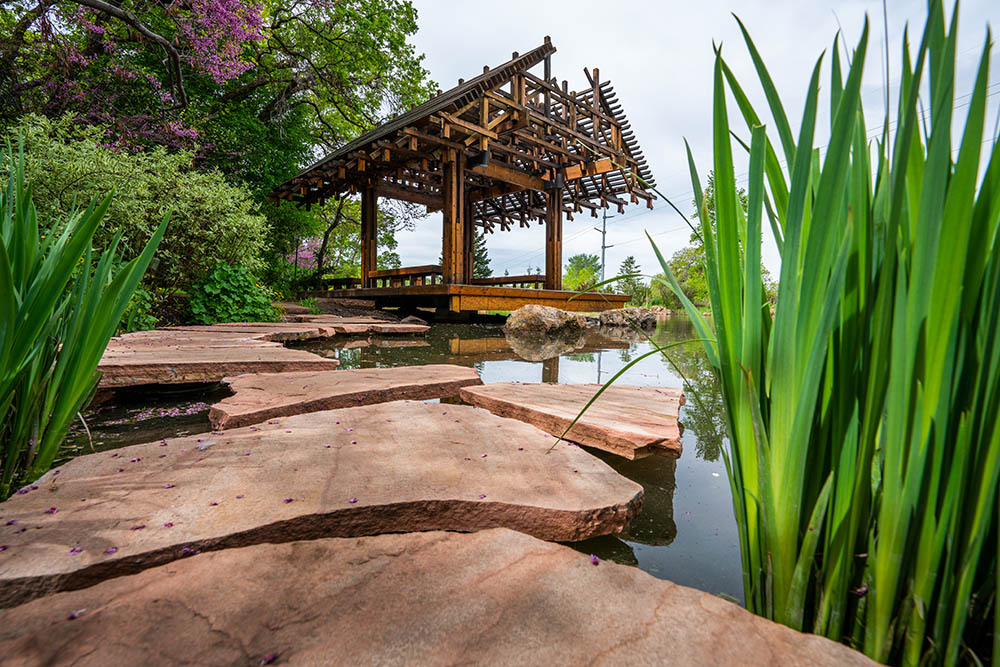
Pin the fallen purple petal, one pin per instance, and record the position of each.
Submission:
(288, 500)
(75, 550)
(238, 496)
(51, 510)
(168, 486)
(111, 550)
(213, 504)
(3, 547)
(482, 456)
(76, 614)
(12, 522)
(168, 524)
(352, 500)
(138, 527)
(482, 495)
(269, 658)
(594, 559)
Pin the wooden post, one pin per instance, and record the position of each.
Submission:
(550, 370)
(452, 238)
(369, 234)
(468, 243)
(553, 239)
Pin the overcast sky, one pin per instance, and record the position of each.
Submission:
(658, 56)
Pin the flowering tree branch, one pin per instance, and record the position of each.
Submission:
(173, 58)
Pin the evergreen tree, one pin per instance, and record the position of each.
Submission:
(634, 286)
(480, 258)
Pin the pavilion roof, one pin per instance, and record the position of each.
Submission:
(520, 133)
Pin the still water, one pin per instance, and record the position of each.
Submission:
(686, 531)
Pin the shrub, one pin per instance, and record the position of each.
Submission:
(230, 294)
(213, 221)
(58, 309)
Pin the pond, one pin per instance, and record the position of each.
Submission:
(686, 531)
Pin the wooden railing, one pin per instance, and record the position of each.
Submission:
(340, 283)
(430, 274)
(527, 281)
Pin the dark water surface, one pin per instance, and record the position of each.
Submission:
(686, 531)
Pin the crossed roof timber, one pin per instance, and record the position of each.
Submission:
(522, 134)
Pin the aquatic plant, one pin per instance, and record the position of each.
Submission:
(865, 447)
(58, 309)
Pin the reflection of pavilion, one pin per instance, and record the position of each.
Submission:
(499, 151)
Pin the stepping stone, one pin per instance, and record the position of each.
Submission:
(627, 421)
(493, 597)
(270, 331)
(259, 397)
(392, 467)
(165, 361)
(361, 325)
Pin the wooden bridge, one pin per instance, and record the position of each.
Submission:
(503, 149)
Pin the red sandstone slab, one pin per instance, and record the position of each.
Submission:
(273, 331)
(628, 421)
(493, 597)
(203, 364)
(259, 397)
(402, 466)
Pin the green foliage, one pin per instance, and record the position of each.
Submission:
(583, 271)
(58, 309)
(311, 304)
(688, 267)
(213, 221)
(480, 257)
(631, 283)
(138, 315)
(865, 448)
(230, 294)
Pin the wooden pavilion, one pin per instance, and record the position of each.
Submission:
(496, 151)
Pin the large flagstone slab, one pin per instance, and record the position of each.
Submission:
(169, 359)
(261, 396)
(495, 597)
(392, 467)
(625, 420)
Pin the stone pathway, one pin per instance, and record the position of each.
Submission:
(176, 357)
(627, 421)
(392, 467)
(208, 353)
(493, 597)
(259, 397)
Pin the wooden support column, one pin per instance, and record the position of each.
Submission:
(453, 234)
(369, 234)
(468, 243)
(553, 239)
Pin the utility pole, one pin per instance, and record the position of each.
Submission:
(604, 234)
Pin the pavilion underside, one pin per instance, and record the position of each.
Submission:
(496, 152)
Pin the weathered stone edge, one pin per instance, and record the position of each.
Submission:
(407, 517)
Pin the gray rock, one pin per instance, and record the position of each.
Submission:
(535, 320)
(644, 318)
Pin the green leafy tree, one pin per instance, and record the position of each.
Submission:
(634, 286)
(582, 271)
